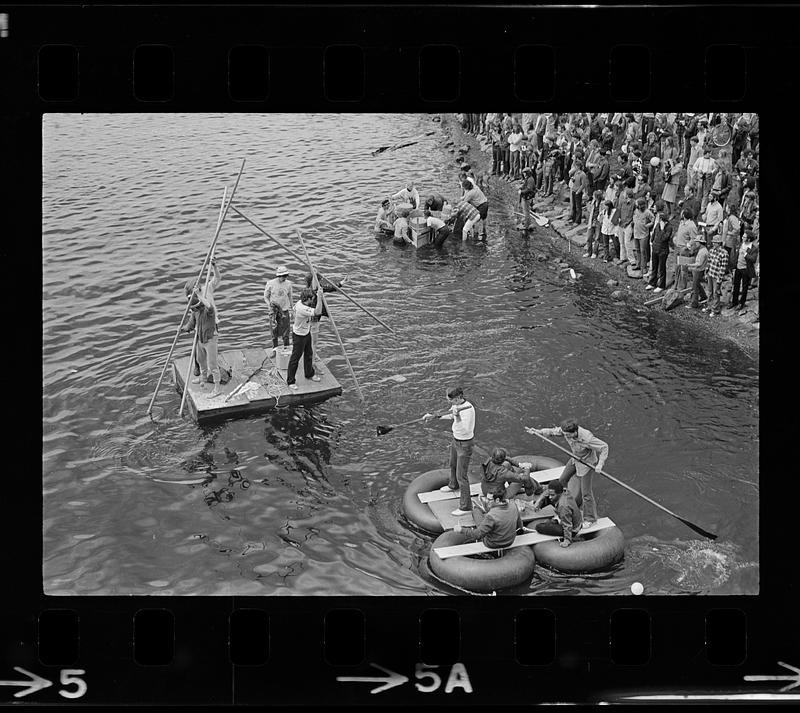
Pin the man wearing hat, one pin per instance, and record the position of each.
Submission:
(697, 270)
(526, 194)
(717, 269)
(278, 297)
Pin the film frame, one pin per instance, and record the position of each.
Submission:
(83, 60)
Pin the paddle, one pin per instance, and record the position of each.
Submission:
(699, 530)
(402, 144)
(382, 430)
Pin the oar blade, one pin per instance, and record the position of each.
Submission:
(699, 530)
(382, 430)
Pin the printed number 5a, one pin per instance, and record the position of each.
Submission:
(69, 677)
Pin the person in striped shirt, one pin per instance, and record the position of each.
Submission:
(717, 270)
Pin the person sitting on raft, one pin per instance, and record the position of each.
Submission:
(386, 217)
(409, 194)
(567, 520)
(585, 445)
(499, 470)
(499, 525)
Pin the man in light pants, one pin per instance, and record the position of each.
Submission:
(627, 247)
(586, 446)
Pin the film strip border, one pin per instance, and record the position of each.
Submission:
(210, 651)
(339, 59)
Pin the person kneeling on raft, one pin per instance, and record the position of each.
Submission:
(499, 525)
(502, 474)
(567, 520)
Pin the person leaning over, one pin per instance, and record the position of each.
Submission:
(409, 194)
(278, 296)
(499, 526)
(462, 414)
(586, 446)
(500, 473)
(567, 520)
(304, 312)
(327, 286)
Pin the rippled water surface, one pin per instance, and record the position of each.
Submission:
(129, 205)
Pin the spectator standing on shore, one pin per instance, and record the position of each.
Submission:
(672, 176)
(527, 193)
(713, 214)
(662, 237)
(601, 172)
(730, 229)
(697, 271)
(579, 186)
(627, 245)
(514, 141)
(595, 221)
(748, 210)
(684, 235)
(505, 148)
(692, 203)
(704, 169)
(608, 231)
(496, 135)
(721, 185)
(651, 150)
(745, 271)
(717, 269)
(643, 221)
(539, 129)
(694, 152)
(624, 172)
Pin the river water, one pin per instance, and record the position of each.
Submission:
(129, 207)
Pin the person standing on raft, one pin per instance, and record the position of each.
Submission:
(567, 520)
(278, 296)
(462, 414)
(585, 445)
(499, 525)
(304, 312)
(328, 286)
(208, 292)
(204, 315)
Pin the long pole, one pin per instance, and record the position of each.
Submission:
(330, 316)
(196, 333)
(699, 530)
(189, 298)
(301, 259)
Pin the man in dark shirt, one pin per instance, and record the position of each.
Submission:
(527, 193)
(568, 519)
(661, 239)
(205, 318)
(499, 525)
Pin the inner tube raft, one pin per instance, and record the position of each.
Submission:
(422, 516)
(597, 551)
(481, 575)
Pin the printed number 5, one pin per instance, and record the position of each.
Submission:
(421, 673)
(69, 677)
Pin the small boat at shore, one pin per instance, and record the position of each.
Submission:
(257, 384)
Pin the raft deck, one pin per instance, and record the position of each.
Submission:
(266, 390)
(442, 503)
(528, 538)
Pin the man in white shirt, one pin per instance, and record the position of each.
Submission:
(409, 194)
(462, 414)
(301, 339)
(441, 231)
(714, 213)
(704, 169)
(278, 296)
(386, 217)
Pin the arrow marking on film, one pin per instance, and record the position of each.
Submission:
(36, 683)
(390, 681)
(794, 678)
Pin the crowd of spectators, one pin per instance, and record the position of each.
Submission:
(648, 186)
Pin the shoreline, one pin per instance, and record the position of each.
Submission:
(563, 237)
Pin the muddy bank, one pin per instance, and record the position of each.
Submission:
(570, 241)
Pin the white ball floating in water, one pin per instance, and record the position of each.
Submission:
(637, 588)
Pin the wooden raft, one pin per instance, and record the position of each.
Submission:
(528, 538)
(541, 476)
(269, 388)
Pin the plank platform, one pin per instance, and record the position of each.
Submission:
(432, 496)
(265, 391)
(528, 538)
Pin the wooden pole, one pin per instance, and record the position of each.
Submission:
(330, 316)
(188, 299)
(301, 259)
(196, 333)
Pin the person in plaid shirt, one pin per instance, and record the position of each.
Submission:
(716, 272)
(469, 214)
